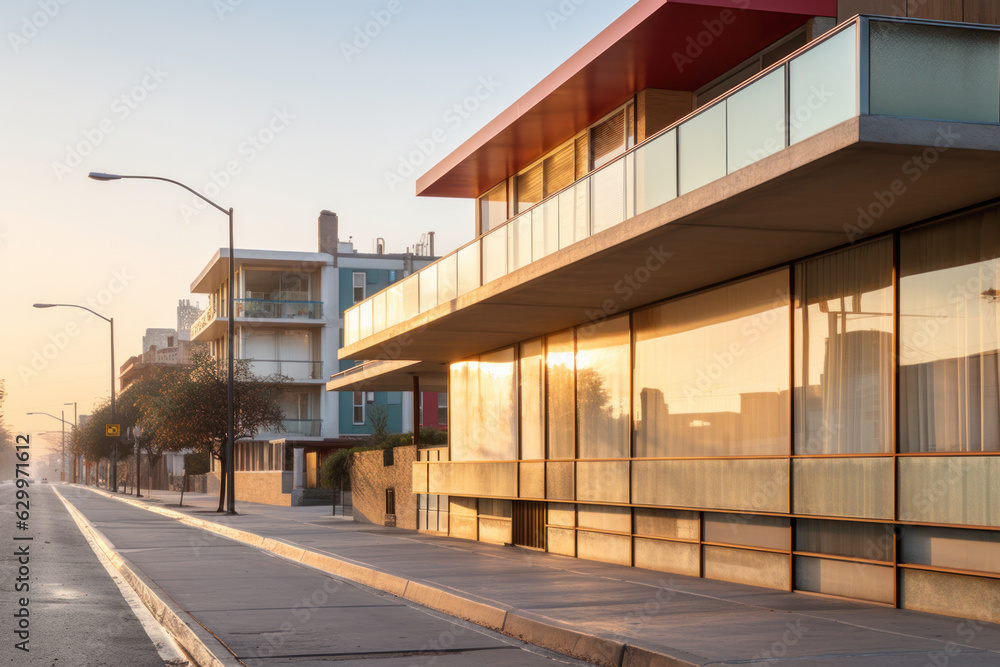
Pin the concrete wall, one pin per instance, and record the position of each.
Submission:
(370, 478)
(254, 487)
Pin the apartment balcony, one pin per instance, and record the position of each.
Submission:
(877, 124)
(285, 313)
(296, 371)
(310, 428)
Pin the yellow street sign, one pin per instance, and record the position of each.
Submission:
(114, 430)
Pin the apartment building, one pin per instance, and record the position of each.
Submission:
(289, 309)
(730, 308)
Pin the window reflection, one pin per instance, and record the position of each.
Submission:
(949, 366)
(712, 372)
(602, 388)
(844, 351)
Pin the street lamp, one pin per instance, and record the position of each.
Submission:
(75, 463)
(62, 459)
(230, 458)
(113, 476)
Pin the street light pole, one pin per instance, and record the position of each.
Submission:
(62, 464)
(113, 475)
(230, 470)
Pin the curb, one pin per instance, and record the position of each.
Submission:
(162, 612)
(581, 645)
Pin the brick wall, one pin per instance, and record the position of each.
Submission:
(370, 478)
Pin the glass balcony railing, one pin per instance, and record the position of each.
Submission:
(308, 427)
(207, 317)
(275, 309)
(892, 67)
(296, 370)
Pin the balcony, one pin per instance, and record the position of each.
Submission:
(286, 313)
(295, 370)
(204, 320)
(796, 160)
(310, 428)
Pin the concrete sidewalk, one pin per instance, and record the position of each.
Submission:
(605, 613)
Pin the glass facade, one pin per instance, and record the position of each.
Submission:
(748, 432)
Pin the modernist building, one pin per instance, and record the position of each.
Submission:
(289, 314)
(731, 306)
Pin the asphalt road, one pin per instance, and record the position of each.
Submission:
(76, 613)
(271, 611)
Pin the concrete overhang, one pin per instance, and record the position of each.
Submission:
(827, 191)
(646, 47)
(391, 375)
(216, 271)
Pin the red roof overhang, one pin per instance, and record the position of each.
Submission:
(655, 44)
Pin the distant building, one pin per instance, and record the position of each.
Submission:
(186, 316)
(289, 321)
(160, 338)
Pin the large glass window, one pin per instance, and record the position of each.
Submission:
(711, 372)
(949, 365)
(532, 401)
(844, 351)
(560, 375)
(493, 208)
(602, 388)
(484, 412)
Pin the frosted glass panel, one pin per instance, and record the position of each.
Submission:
(656, 172)
(602, 392)
(561, 541)
(545, 229)
(823, 87)
(923, 71)
(948, 489)
(394, 305)
(495, 255)
(604, 547)
(951, 594)
(602, 481)
(352, 324)
(484, 408)
(411, 296)
(608, 193)
(468, 268)
(751, 485)
(519, 242)
(870, 541)
(561, 515)
(447, 270)
(712, 372)
(860, 487)
(378, 312)
(703, 148)
(473, 479)
(756, 120)
(845, 579)
(428, 279)
(559, 480)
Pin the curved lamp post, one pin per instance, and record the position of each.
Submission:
(62, 460)
(113, 476)
(230, 462)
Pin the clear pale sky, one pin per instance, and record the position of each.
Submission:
(309, 115)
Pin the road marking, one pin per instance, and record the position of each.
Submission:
(166, 647)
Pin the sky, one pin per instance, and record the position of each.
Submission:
(279, 109)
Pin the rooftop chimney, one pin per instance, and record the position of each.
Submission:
(328, 233)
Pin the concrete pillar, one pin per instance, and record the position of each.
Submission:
(298, 468)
